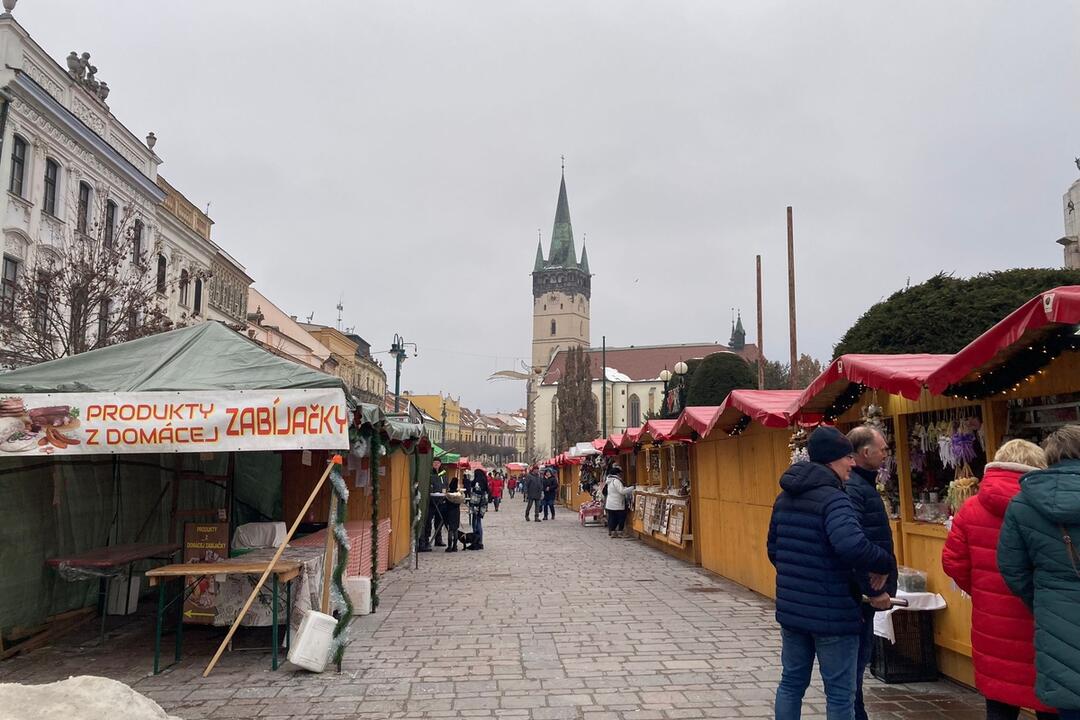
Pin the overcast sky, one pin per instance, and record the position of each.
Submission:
(402, 155)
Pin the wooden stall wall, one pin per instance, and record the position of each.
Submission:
(398, 488)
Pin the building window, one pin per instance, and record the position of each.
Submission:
(136, 242)
(634, 419)
(185, 283)
(110, 224)
(103, 322)
(18, 165)
(83, 220)
(198, 297)
(7, 288)
(553, 328)
(161, 268)
(52, 176)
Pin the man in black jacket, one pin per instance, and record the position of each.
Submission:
(436, 510)
(534, 492)
(551, 489)
(871, 450)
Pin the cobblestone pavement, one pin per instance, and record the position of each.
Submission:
(551, 621)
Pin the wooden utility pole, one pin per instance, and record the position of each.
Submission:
(793, 370)
(761, 352)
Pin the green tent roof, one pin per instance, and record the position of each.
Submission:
(207, 356)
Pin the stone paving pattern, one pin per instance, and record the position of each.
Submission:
(551, 621)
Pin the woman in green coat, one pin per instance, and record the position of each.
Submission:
(1041, 566)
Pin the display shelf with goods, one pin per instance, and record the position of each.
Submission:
(667, 494)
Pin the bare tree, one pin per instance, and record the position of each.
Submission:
(88, 287)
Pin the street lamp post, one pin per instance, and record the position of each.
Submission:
(398, 351)
(444, 420)
(665, 376)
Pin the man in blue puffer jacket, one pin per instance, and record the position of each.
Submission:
(871, 450)
(817, 546)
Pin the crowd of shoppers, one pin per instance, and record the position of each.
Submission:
(1010, 547)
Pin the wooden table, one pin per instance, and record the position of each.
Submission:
(106, 561)
(284, 571)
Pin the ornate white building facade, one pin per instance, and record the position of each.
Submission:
(64, 157)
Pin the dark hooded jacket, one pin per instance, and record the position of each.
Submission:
(816, 543)
(534, 486)
(861, 487)
(1034, 561)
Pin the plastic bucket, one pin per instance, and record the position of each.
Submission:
(310, 647)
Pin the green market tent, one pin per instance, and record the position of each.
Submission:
(207, 356)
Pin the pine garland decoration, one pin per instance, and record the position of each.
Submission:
(376, 449)
(342, 539)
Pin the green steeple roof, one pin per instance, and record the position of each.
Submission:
(584, 258)
(539, 264)
(562, 252)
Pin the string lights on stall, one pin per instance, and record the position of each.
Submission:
(844, 401)
(740, 426)
(1024, 365)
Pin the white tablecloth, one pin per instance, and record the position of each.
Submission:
(883, 626)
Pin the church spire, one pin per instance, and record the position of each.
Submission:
(738, 335)
(584, 265)
(539, 264)
(562, 252)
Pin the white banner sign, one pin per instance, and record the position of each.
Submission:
(149, 422)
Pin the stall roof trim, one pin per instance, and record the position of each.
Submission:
(903, 375)
(207, 356)
(1028, 324)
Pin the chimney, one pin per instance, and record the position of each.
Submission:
(293, 318)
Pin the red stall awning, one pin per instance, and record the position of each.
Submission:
(895, 374)
(1028, 325)
(658, 431)
(630, 438)
(771, 408)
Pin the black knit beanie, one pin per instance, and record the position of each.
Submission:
(827, 444)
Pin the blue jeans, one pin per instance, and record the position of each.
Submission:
(837, 657)
(866, 647)
(549, 504)
(477, 529)
(1067, 714)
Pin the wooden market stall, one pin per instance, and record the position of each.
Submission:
(741, 452)
(663, 510)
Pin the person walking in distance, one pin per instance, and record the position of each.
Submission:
(1002, 629)
(871, 450)
(455, 496)
(436, 511)
(817, 545)
(534, 493)
(479, 494)
(511, 485)
(615, 502)
(551, 490)
(495, 484)
(1038, 557)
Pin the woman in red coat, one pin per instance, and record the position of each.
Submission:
(1002, 629)
(495, 484)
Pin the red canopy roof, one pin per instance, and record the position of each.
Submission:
(1030, 323)
(658, 430)
(771, 408)
(598, 443)
(611, 447)
(895, 374)
(700, 419)
(631, 437)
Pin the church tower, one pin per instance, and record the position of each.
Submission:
(1071, 240)
(562, 287)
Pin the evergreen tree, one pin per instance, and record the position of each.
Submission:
(577, 407)
(945, 313)
(716, 376)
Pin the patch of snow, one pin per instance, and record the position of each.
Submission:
(84, 697)
(614, 375)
